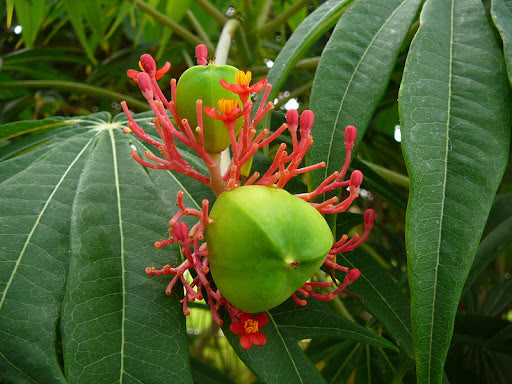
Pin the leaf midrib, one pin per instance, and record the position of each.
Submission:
(285, 346)
(443, 200)
(38, 220)
(122, 252)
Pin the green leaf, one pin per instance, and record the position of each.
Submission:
(353, 74)
(381, 297)
(498, 298)
(280, 360)
(318, 320)
(481, 350)
(23, 127)
(36, 214)
(379, 184)
(309, 31)
(30, 15)
(501, 12)
(23, 60)
(496, 237)
(455, 115)
(341, 360)
(79, 219)
(205, 374)
(288, 324)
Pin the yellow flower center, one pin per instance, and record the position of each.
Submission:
(251, 326)
(226, 106)
(243, 79)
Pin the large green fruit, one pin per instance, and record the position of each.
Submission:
(202, 82)
(264, 244)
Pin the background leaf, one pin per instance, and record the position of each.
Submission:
(30, 15)
(309, 31)
(496, 237)
(501, 12)
(455, 115)
(382, 297)
(353, 74)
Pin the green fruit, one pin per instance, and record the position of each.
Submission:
(264, 244)
(202, 82)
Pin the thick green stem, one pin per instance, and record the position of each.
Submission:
(222, 51)
(221, 57)
(77, 88)
(216, 15)
(264, 12)
(171, 24)
(217, 184)
(271, 26)
(199, 29)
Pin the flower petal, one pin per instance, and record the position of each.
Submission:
(262, 320)
(244, 317)
(246, 341)
(237, 328)
(258, 338)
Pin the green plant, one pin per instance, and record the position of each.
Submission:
(78, 216)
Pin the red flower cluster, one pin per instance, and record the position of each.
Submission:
(286, 165)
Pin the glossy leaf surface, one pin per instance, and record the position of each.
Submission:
(353, 74)
(454, 107)
(281, 360)
(79, 220)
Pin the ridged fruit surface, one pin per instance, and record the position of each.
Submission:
(202, 82)
(264, 244)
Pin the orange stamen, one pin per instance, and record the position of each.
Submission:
(227, 105)
(251, 326)
(243, 79)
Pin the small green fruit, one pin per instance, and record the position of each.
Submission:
(202, 82)
(264, 244)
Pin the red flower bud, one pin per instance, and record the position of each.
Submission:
(148, 64)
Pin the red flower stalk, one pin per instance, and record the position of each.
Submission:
(286, 165)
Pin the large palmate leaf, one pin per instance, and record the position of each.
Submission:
(454, 107)
(78, 219)
(354, 72)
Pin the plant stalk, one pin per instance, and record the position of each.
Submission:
(271, 26)
(221, 57)
(77, 88)
(171, 24)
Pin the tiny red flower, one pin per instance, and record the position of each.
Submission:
(147, 64)
(242, 86)
(249, 329)
(228, 110)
